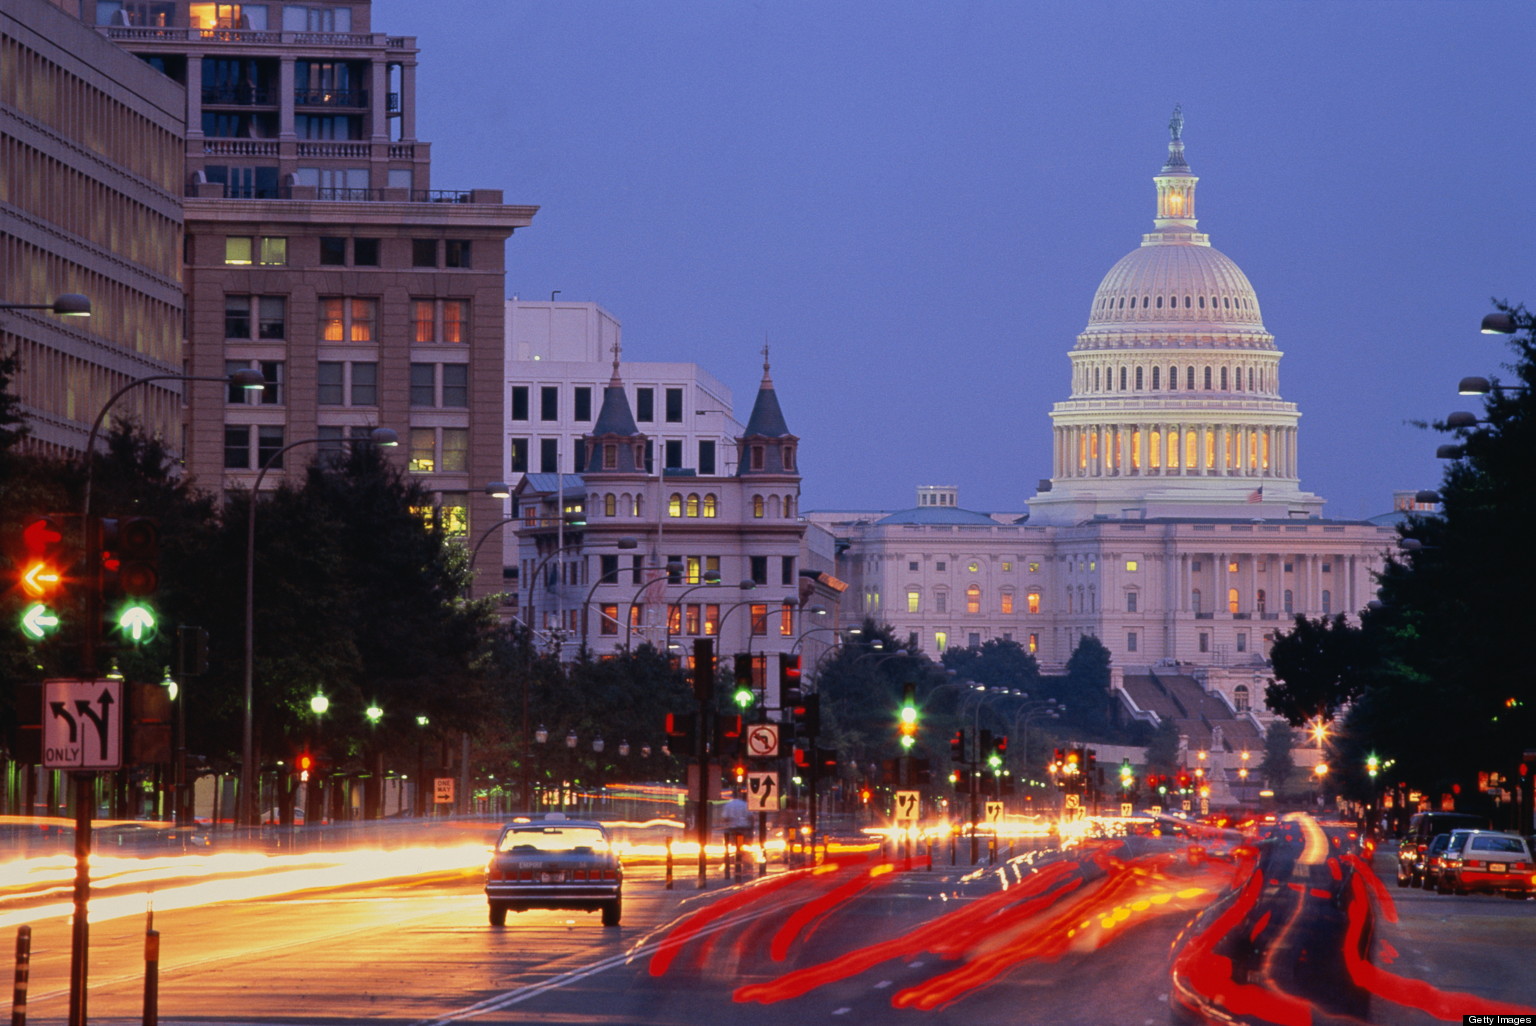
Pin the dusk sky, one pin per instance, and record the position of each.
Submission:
(915, 202)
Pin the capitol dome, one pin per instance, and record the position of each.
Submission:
(1175, 406)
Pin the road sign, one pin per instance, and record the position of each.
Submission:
(763, 791)
(1126, 809)
(908, 805)
(442, 790)
(994, 813)
(763, 740)
(83, 724)
(1071, 800)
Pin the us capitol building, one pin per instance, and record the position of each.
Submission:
(1173, 526)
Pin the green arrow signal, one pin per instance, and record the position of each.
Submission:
(39, 620)
(138, 621)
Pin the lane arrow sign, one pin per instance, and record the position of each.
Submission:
(138, 622)
(38, 620)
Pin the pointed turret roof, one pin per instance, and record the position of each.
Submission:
(615, 417)
(767, 419)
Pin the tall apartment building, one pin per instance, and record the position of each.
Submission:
(91, 145)
(318, 251)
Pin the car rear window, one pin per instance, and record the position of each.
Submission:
(553, 839)
(1513, 844)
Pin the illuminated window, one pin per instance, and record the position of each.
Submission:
(1132, 565)
(1006, 602)
(347, 320)
(1231, 600)
(693, 504)
(940, 640)
(674, 619)
(238, 250)
(691, 568)
(712, 618)
(1007, 566)
(608, 622)
(759, 619)
(1034, 644)
(914, 601)
(675, 505)
(1032, 602)
(691, 618)
(786, 620)
(1034, 568)
(973, 566)
(1260, 600)
(1231, 566)
(757, 507)
(973, 599)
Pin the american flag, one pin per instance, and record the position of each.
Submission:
(1257, 495)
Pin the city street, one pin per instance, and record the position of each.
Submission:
(1044, 939)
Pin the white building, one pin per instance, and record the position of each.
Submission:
(1173, 526)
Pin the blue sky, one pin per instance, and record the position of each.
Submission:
(914, 202)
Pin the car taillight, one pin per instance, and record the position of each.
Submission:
(1519, 867)
(1474, 863)
(579, 875)
(493, 871)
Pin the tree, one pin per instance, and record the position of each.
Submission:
(1277, 766)
(1162, 754)
(1086, 690)
(1449, 692)
(997, 663)
(1318, 669)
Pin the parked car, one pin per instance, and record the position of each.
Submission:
(1434, 857)
(554, 863)
(1488, 862)
(1422, 827)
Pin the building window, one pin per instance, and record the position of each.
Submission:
(940, 640)
(244, 251)
(423, 252)
(1034, 644)
(269, 320)
(675, 504)
(1242, 641)
(519, 456)
(759, 565)
(973, 599)
(1130, 641)
(1241, 698)
(549, 455)
(1205, 641)
(1232, 602)
(365, 252)
(711, 505)
(1006, 603)
(1327, 602)
(582, 405)
(456, 253)
(941, 601)
(1194, 601)
(645, 405)
(1130, 602)
(444, 385)
(271, 392)
(1032, 602)
(519, 402)
(549, 402)
(914, 601)
(608, 622)
(786, 570)
(1287, 598)
(1034, 568)
(786, 620)
(693, 504)
(706, 456)
(912, 566)
(333, 251)
(343, 383)
(1232, 566)
(440, 320)
(1261, 601)
(1131, 566)
(347, 320)
(755, 457)
(672, 454)
(757, 507)
(674, 405)
(759, 619)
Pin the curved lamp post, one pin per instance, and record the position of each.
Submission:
(379, 436)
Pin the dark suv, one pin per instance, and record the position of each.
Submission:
(1411, 851)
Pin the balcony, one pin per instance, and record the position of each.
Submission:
(330, 97)
(238, 96)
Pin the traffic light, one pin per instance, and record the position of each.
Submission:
(998, 753)
(957, 747)
(40, 576)
(744, 696)
(790, 693)
(1127, 775)
(728, 735)
(303, 763)
(682, 731)
(805, 716)
(1373, 765)
(128, 574)
(908, 724)
(1074, 762)
(704, 669)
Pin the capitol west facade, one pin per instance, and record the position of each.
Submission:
(1173, 526)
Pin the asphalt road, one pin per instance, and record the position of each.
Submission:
(1084, 941)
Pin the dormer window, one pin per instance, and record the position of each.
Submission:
(610, 456)
(789, 457)
(757, 457)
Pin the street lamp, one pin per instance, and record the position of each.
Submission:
(68, 304)
(379, 436)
